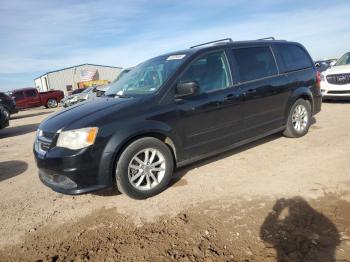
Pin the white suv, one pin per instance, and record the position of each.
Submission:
(335, 81)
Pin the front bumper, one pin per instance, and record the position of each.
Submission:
(335, 91)
(74, 173)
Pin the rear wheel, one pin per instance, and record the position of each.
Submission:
(52, 103)
(144, 168)
(299, 119)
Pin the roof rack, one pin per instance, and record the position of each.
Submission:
(268, 38)
(212, 42)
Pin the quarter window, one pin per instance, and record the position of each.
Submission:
(293, 57)
(211, 72)
(254, 63)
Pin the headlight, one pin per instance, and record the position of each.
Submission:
(78, 138)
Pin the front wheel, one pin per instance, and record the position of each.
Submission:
(144, 169)
(52, 103)
(299, 119)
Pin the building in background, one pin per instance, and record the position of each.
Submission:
(71, 78)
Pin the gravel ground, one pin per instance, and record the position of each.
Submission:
(277, 199)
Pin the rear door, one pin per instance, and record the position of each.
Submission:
(211, 119)
(265, 91)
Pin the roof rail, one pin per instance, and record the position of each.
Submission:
(267, 38)
(212, 42)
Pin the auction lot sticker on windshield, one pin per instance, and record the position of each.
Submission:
(175, 57)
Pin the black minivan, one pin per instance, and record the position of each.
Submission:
(175, 109)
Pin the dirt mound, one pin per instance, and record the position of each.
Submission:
(245, 231)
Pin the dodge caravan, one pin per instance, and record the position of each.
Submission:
(175, 109)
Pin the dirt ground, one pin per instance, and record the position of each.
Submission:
(277, 199)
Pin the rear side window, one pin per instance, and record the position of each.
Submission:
(18, 95)
(293, 57)
(255, 63)
(30, 93)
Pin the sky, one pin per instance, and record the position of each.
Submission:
(40, 36)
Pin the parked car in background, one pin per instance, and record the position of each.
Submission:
(4, 118)
(323, 65)
(30, 97)
(88, 94)
(72, 98)
(77, 91)
(175, 109)
(335, 81)
(9, 104)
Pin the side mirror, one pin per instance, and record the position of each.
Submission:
(186, 89)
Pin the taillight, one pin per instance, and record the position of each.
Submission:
(318, 79)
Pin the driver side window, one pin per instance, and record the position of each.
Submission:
(210, 71)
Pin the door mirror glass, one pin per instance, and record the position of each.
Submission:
(186, 89)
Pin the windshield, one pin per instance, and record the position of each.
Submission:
(147, 77)
(344, 60)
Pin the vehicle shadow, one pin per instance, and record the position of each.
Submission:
(18, 130)
(10, 169)
(110, 192)
(181, 172)
(299, 233)
(30, 115)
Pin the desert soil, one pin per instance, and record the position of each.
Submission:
(277, 199)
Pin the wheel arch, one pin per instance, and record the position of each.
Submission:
(122, 139)
(303, 93)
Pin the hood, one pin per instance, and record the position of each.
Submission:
(343, 69)
(85, 114)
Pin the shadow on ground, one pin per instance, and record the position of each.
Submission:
(10, 169)
(299, 233)
(18, 130)
(181, 172)
(14, 117)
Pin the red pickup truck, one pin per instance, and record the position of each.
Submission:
(30, 97)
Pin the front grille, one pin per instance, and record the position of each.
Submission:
(45, 146)
(339, 92)
(48, 135)
(44, 142)
(340, 79)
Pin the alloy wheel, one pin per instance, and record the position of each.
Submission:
(146, 169)
(300, 118)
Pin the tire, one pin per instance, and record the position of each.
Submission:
(52, 103)
(130, 171)
(299, 119)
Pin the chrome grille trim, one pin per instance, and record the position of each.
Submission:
(339, 79)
